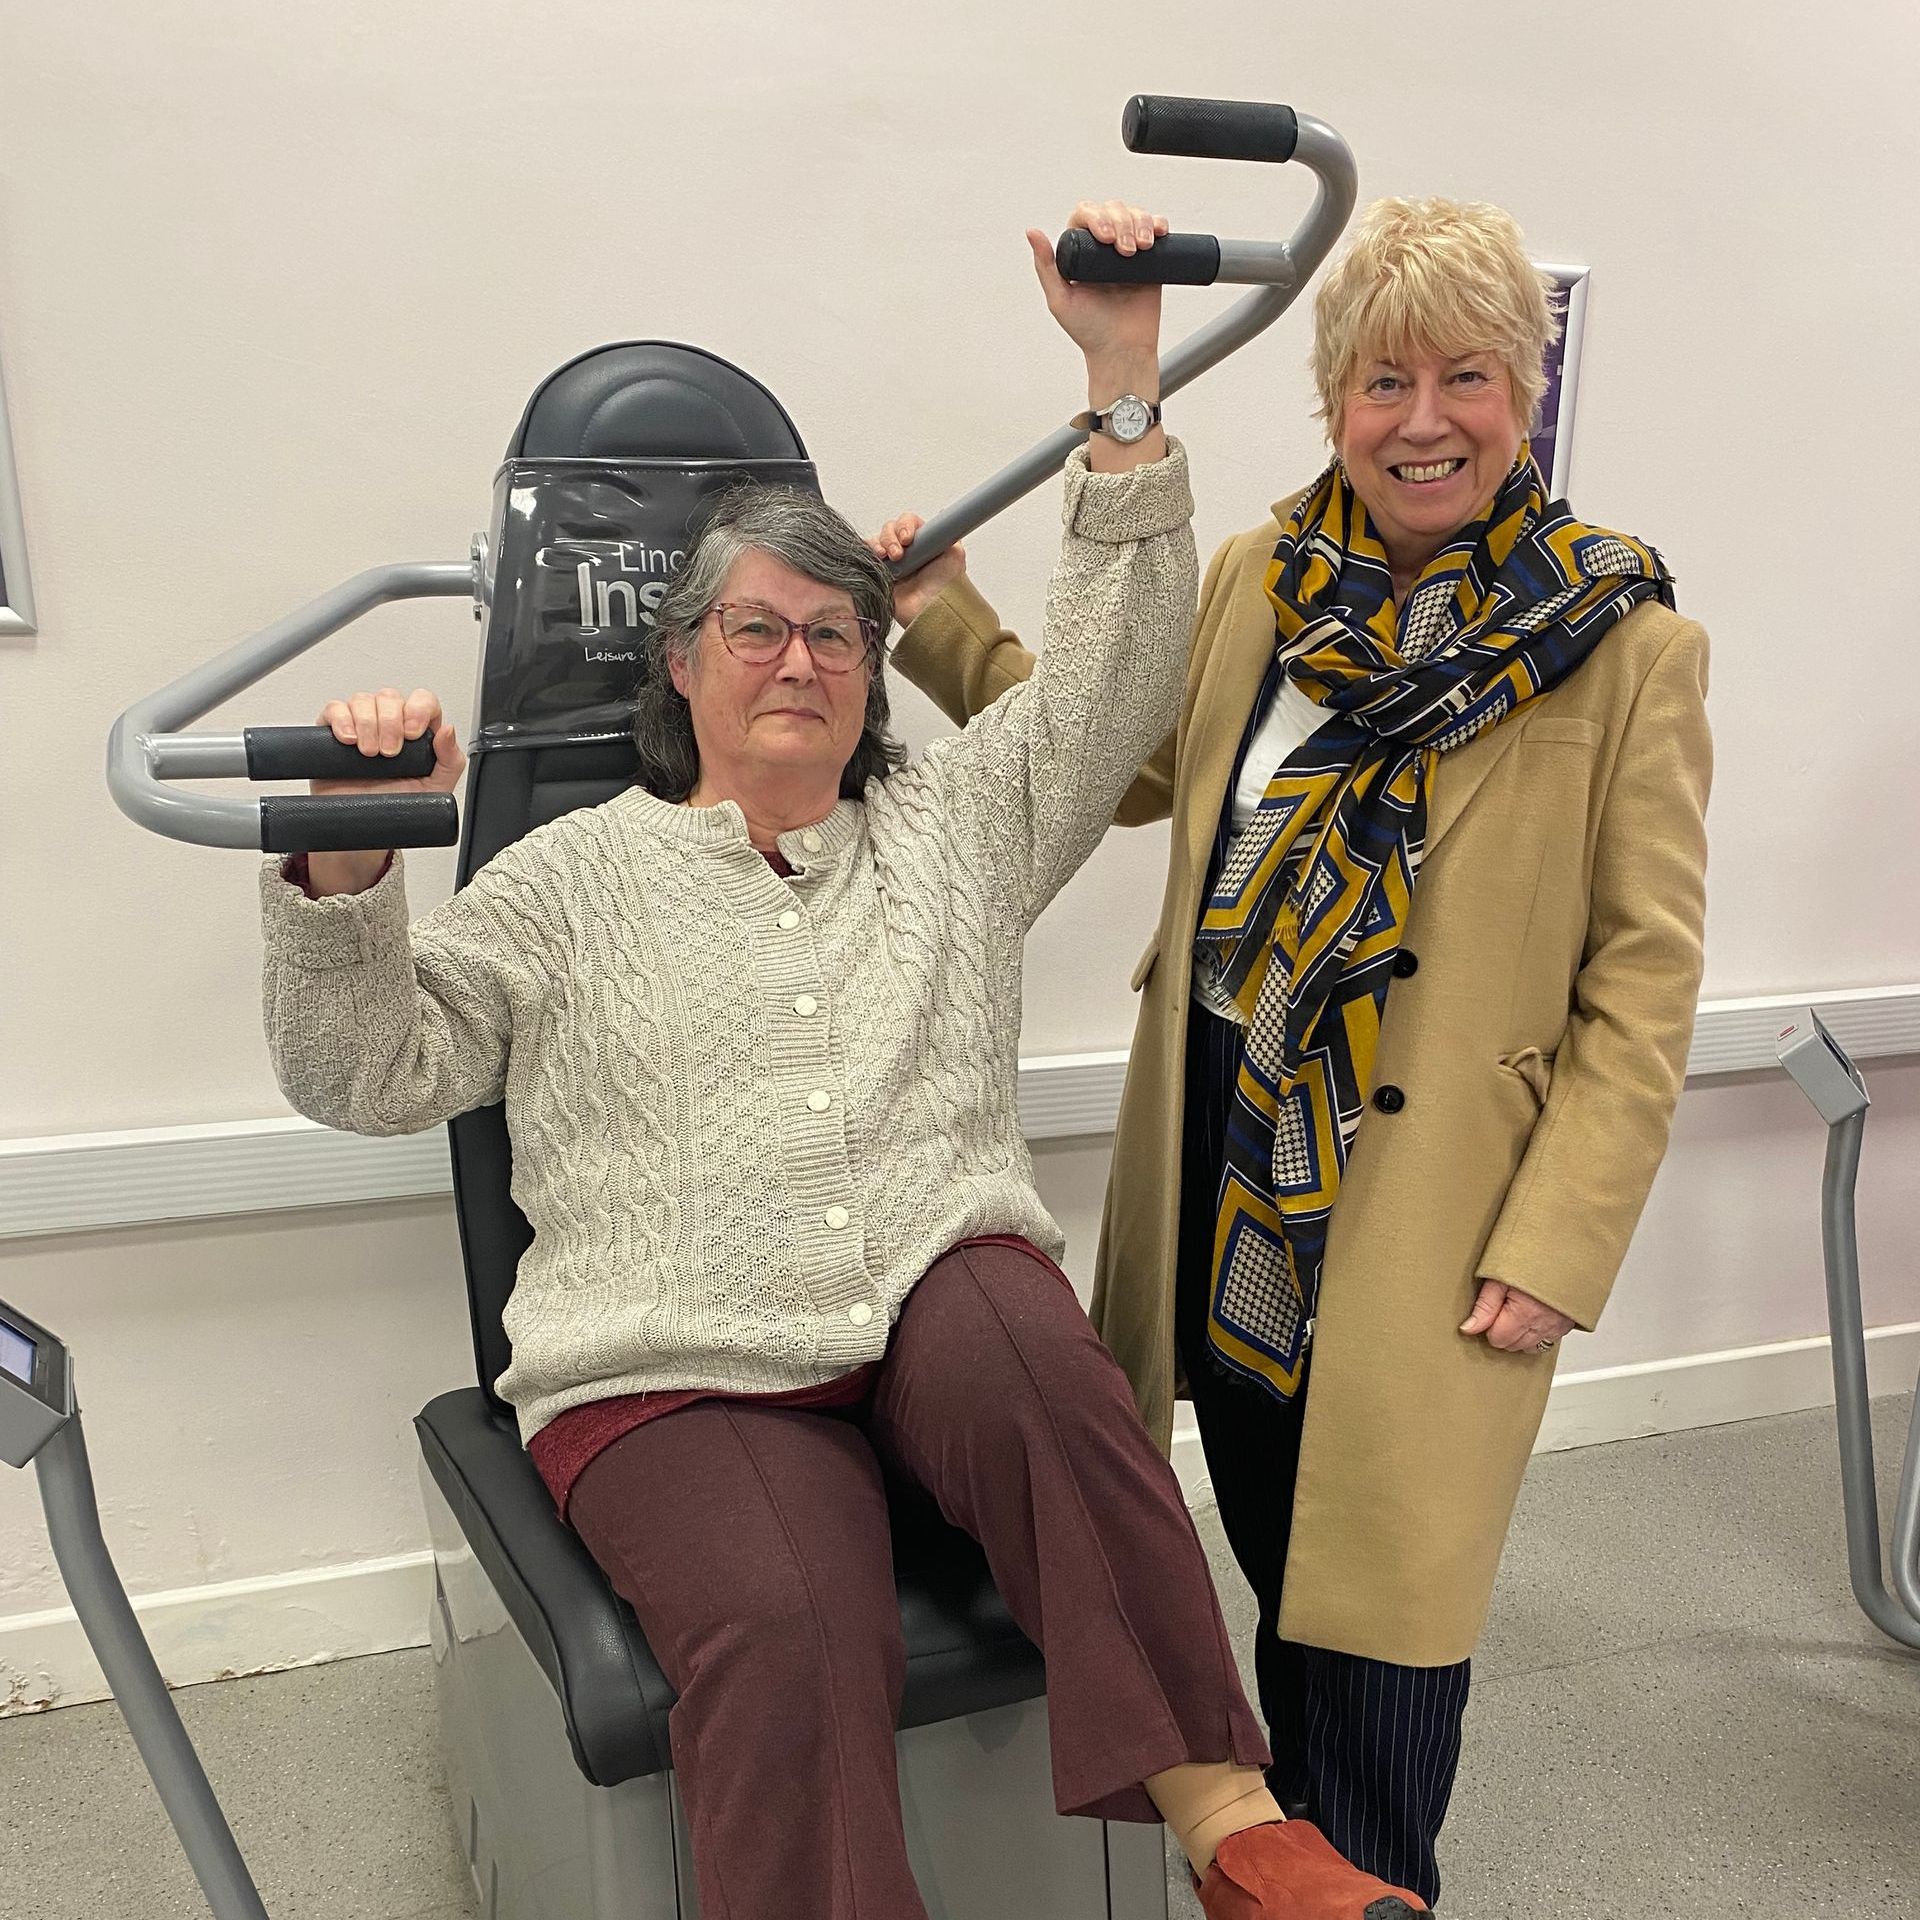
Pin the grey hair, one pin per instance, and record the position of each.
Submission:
(806, 533)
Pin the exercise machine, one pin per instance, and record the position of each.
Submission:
(553, 1711)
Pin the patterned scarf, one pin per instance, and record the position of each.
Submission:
(1308, 910)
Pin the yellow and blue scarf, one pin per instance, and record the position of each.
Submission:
(1308, 910)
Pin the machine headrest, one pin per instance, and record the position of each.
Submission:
(653, 399)
(603, 488)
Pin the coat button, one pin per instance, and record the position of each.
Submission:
(1405, 964)
(1389, 1099)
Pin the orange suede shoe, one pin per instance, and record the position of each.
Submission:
(1289, 1870)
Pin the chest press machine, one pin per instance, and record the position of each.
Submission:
(553, 1712)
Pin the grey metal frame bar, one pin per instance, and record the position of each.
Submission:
(106, 1614)
(1822, 1070)
(1283, 267)
(144, 751)
(197, 756)
(1896, 1614)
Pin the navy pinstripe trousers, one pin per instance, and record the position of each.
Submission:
(1367, 1750)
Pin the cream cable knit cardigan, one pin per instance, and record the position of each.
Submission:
(748, 1113)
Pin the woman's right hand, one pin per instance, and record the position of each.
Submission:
(378, 724)
(1111, 325)
(1117, 328)
(918, 591)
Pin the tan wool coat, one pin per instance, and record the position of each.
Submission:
(1540, 1041)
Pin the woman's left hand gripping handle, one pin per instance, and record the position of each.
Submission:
(378, 723)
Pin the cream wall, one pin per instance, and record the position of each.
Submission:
(274, 286)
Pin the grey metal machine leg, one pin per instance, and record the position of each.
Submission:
(73, 1525)
(1822, 1070)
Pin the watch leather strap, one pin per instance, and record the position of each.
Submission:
(1095, 421)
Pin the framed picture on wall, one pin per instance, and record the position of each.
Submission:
(1553, 444)
(16, 586)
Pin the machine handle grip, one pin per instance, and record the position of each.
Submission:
(312, 753)
(1174, 260)
(1209, 129)
(357, 822)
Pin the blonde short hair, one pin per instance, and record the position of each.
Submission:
(1432, 276)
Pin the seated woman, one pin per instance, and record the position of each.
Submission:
(1416, 1018)
(755, 1025)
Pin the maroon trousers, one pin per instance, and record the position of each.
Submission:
(753, 1545)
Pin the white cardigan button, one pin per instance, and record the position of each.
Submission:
(859, 1313)
(819, 1099)
(811, 841)
(788, 921)
(806, 1006)
(838, 1218)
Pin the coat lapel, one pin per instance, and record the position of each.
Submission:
(1236, 664)
(1459, 774)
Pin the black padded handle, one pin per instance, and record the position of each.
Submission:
(1174, 260)
(1209, 129)
(357, 822)
(312, 753)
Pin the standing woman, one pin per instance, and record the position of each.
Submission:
(1417, 1014)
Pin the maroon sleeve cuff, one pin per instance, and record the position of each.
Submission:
(293, 869)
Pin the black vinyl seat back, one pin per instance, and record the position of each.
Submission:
(610, 468)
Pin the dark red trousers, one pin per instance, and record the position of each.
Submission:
(754, 1547)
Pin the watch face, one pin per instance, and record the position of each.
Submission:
(1129, 418)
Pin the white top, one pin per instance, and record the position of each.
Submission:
(1290, 717)
(747, 1111)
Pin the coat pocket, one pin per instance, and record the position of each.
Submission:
(1566, 730)
(1534, 1068)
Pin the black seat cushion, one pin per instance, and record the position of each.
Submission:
(964, 1653)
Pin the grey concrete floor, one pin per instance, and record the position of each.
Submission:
(1677, 1710)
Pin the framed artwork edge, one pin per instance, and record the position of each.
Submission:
(17, 614)
(1572, 282)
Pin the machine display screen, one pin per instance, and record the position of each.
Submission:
(16, 1354)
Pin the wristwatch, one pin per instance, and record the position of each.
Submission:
(1128, 420)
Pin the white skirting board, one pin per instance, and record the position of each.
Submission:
(315, 1615)
(300, 1619)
